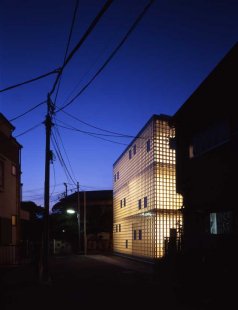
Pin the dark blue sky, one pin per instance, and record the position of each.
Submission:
(171, 51)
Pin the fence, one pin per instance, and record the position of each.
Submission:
(14, 254)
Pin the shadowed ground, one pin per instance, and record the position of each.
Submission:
(98, 281)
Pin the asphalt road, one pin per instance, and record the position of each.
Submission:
(86, 282)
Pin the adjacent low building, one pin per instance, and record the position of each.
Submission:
(10, 175)
(88, 228)
(147, 219)
(207, 167)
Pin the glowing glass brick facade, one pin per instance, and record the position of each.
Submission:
(146, 206)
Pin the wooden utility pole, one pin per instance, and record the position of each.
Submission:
(78, 218)
(85, 223)
(66, 189)
(48, 156)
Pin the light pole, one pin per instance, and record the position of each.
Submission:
(78, 216)
(85, 224)
(72, 211)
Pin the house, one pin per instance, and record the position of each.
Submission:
(207, 167)
(10, 188)
(89, 226)
(147, 219)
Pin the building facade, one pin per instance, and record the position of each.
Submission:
(89, 228)
(146, 208)
(10, 174)
(207, 151)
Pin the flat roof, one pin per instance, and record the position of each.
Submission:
(162, 117)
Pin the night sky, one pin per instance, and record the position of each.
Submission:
(169, 53)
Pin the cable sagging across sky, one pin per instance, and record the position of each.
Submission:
(110, 57)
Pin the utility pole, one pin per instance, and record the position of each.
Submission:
(48, 157)
(78, 217)
(84, 223)
(66, 190)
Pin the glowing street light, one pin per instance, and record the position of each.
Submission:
(70, 211)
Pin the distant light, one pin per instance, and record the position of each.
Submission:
(70, 211)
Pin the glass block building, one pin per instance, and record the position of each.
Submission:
(147, 219)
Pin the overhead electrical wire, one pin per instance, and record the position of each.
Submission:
(79, 44)
(55, 128)
(28, 130)
(95, 135)
(61, 159)
(97, 73)
(90, 125)
(68, 44)
(32, 80)
(28, 111)
(136, 22)
(70, 127)
(91, 69)
(40, 188)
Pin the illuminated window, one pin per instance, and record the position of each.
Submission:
(14, 220)
(220, 223)
(14, 169)
(139, 204)
(191, 155)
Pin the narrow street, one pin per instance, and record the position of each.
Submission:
(102, 281)
(88, 281)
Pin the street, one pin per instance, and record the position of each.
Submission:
(89, 281)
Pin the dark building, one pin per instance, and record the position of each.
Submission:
(206, 163)
(10, 185)
(91, 223)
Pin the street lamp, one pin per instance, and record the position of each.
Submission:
(72, 211)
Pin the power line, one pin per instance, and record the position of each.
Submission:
(61, 159)
(28, 111)
(94, 133)
(58, 133)
(68, 43)
(90, 125)
(89, 70)
(86, 34)
(40, 188)
(28, 130)
(110, 57)
(32, 80)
